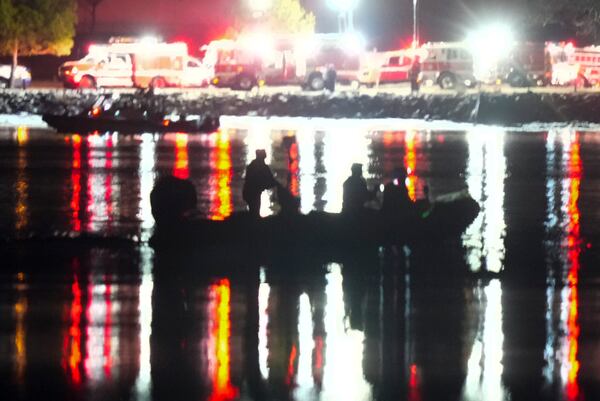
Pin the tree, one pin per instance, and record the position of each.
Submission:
(282, 16)
(288, 16)
(577, 17)
(36, 27)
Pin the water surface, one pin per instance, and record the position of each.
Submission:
(111, 321)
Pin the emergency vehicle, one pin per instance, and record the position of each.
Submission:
(447, 64)
(125, 62)
(527, 64)
(570, 64)
(302, 60)
(388, 67)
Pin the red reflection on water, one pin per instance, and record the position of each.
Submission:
(76, 183)
(108, 163)
(414, 393)
(107, 346)
(294, 163)
(410, 162)
(291, 365)
(220, 333)
(181, 168)
(74, 335)
(318, 359)
(573, 241)
(221, 205)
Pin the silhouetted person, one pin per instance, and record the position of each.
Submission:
(330, 78)
(258, 178)
(290, 204)
(172, 200)
(414, 72)
(356, 193)
(396, 201)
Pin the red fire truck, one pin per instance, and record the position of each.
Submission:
(253, 60)
(571, 64)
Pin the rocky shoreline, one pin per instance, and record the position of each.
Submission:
(484, 108)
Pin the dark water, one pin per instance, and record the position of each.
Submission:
(111, 321)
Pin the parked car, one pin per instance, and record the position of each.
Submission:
(22, 76)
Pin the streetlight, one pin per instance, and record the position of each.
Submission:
(345, 8)
(415, 36)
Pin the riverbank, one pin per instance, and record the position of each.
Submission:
(485, 108)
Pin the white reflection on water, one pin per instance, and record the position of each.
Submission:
(306, 167)
(562, 314)
(146, 175)
(263, 322)
(344, 144)
(484, 368)
(484, 239)
(143, 381)
(102, 336)
(102, 193)
(304, 381)
(486, 171)
(343, 377)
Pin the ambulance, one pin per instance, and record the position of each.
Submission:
(388, 67)
(126, 62)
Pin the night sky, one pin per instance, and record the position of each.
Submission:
(385, 23)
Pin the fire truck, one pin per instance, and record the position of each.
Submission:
(253, 60)
(571, 64)
(447, 64)
(126, 62)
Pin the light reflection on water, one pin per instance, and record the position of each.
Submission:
(305, 342)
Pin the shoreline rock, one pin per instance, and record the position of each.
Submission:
(485, 108)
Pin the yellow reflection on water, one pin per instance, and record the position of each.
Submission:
(221, 172)
(486, 171)
(20, 342)
(22, 182)
(219, 336)
(181, 168)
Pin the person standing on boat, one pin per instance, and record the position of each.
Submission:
(396, 201)
(356, 193)
(258, 178)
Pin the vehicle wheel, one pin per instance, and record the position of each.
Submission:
(158, 82)
(447, 80)
(87, 82)
(245, 83)
(517, 80)
(316, 82)
(3, 83)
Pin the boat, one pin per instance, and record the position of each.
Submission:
(110, 114)
(326, 234)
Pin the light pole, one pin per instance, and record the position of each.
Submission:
(415, 36)
(345, 9)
